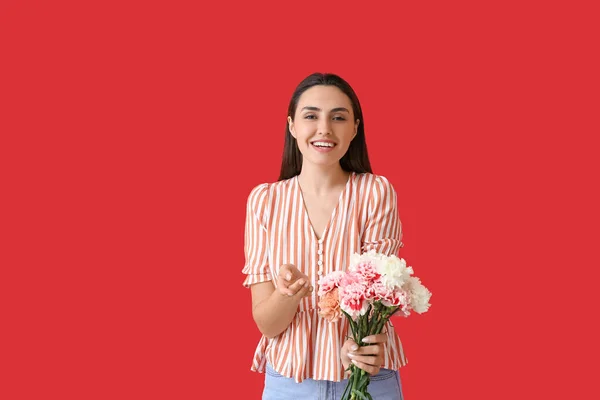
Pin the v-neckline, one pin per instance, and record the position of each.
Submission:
(333, 212)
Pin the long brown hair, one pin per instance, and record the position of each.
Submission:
(356, 158)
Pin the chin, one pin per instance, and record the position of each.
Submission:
(322, 163)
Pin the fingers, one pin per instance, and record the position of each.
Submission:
(379, 338)
(368, 350)
(305, 290)
(286, 290)
(291, 281)
(301, 287)
(371, 369)
(367, 358)
(284, 287)
(290, 272)
(284, 279)
(351, 345)
(308, 290)
(286, 272)
(299, 284)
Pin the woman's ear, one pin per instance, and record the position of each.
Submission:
(291, 127)
(356, 128)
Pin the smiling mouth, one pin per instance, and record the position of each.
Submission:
(323, 145)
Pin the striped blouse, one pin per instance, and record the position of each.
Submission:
(278, 231)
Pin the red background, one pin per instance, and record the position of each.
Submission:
(132, 133)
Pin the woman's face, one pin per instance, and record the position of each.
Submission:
(323, 125)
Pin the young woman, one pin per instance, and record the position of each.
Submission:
(326, 205)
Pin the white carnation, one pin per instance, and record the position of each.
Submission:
(419, 295)
(394, 272)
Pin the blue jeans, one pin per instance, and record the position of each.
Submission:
(383, 386)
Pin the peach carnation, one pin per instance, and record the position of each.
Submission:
(329, 305)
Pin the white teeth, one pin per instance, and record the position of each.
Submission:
(323, 144)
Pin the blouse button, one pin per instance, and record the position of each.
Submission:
(320, 263)
(320, 252)
(320, 241)
(320, 272)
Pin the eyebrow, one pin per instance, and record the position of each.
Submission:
(311, 108)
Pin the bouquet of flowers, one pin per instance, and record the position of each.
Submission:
(374, 287)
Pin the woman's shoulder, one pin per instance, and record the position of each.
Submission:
(261, 190)
(258, 190)
(377, 182)
(258, 196)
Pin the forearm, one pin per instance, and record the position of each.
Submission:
(275, 313)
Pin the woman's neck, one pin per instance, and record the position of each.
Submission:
(321, 180)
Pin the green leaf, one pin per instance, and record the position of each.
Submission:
(374, 322)
(359, 394)
(346, 394)
(363, 380)
(353, 326)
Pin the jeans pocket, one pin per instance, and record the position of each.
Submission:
(385, 385)
(383, 375)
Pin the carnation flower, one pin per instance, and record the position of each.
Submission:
(419, 295)
(352, 299)
(394, 272)
(368, 271)
(329, 305)
(396, 297)
(330, 281)
(350, 278)
(380, 290)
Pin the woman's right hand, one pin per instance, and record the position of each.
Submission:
(292, 282)
(368, 358)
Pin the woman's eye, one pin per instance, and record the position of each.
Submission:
(339, 118)
(310, 116)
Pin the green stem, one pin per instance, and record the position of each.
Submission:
(363, 326)
(353, 327)
(375, 320)
(347, 390)
(354, 381)
(372, 322)
(384, 318)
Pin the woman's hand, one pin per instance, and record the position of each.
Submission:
(368, 358)
(292, 282)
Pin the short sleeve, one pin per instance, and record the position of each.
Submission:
(383, 230)
(255, 237)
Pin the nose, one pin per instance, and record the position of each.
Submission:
(324, 127)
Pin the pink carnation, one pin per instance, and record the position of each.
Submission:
(330, 281)
(367, 270)
(396, 297)
(353, 299)
(380, 290)
(350, 278)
